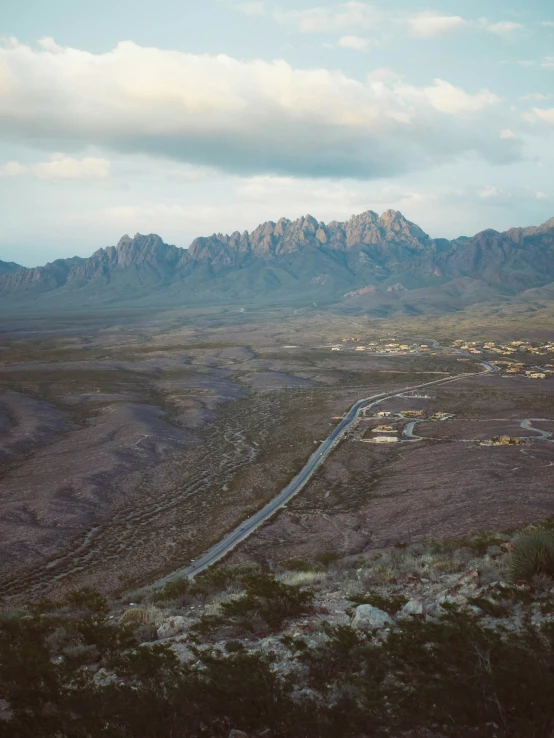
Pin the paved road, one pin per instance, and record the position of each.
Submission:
(247, 527)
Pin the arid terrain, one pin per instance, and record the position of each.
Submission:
(131, 443)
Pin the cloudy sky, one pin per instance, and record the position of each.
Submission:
(184, 118)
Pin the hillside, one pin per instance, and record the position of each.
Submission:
(378, 264)
(444, 640)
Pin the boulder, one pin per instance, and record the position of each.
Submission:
(367, 617)
(412, 608)
(237, 734)
(172, 626)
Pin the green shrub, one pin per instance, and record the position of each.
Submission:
(172, 590)
(532, 554)
(326, 558)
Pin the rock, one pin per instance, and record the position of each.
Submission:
(367, 617)
(412, 608)
(237, 734)
(172, 626)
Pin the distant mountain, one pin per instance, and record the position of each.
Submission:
(8, 267)
(380, 263)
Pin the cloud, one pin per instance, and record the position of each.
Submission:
(536, 96)
(60, 167)
(329, 19)
(355, 42)
(453, 100)
(355, 16)
(429, 25)
(253, 8)
(507, 133)
(488, 192)
(504, 28)
(12, 169)
(548, 24)
(65, 167)
(241, 117)
(546, 114)
(548, 62)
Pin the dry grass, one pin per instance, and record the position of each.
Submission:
(303, 578)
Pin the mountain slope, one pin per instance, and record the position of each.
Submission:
(382, 263)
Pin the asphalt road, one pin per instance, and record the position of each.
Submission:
(248, 526)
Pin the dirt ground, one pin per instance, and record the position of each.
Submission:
(127, 448)
(368, 497)
(130, 443)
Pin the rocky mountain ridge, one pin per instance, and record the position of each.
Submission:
(304, 259)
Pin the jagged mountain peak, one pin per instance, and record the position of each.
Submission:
(293, 258)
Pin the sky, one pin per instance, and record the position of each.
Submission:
(184, 118)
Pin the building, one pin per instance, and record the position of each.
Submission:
(384, 439)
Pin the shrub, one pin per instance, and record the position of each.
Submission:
(269, 599)
(532, 554)
(326, 558)
(136, 616)
(172, 590)
(300, 578)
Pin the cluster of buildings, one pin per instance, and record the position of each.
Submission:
(383, 346)
(502, 441)
(505, 349)
(535, 348)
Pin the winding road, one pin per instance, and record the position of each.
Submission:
(248, 526)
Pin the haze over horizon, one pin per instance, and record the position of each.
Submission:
(183, 120)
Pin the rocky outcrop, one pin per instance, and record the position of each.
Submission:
(305, 258)
(367, 617)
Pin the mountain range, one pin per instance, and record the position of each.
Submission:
(380, 263)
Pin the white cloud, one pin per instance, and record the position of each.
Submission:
(507, 133)
(12, 169)
(329, 19)
(453, 100)
(428, 25)
(242, 117)
(253, 8)
(548, 24)
(355, 42)
(548, 62)
(546, 114)
(536, 96)
(488, 192)
(355, 16)
(542, 196)
(65, 167)
(60, 167)
(504, 28)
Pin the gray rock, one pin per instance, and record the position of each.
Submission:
(367, 617)
(172, 626)
(412, 608)
(237, 734)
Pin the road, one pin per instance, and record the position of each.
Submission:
(248, 526)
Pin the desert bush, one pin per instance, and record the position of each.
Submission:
(532, 554)
(326, 558)
(172, 590)
(302, 578)
(270, 599)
